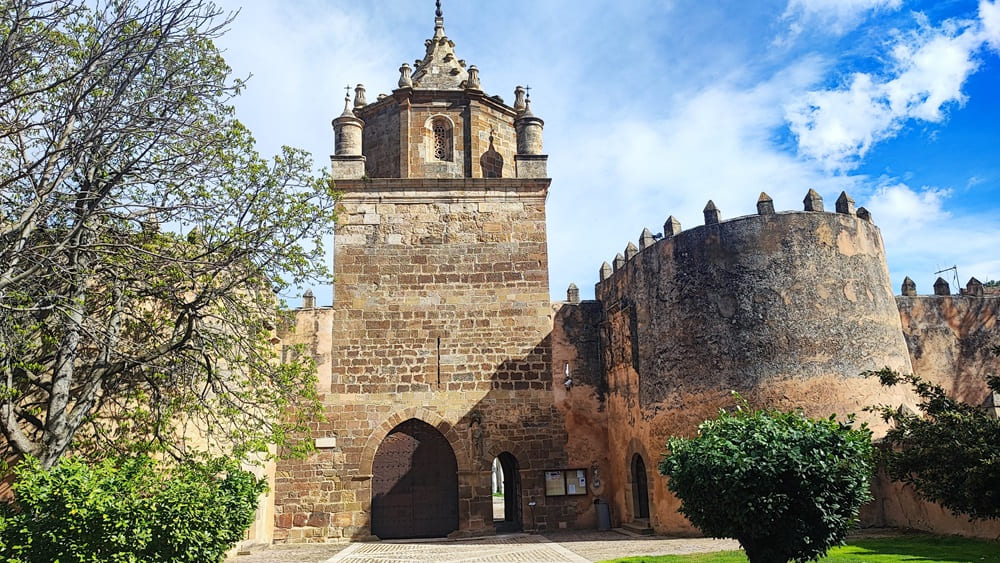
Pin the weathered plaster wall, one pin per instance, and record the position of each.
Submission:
(897, 506)
(950, 339)
(581, 404)
(787, 309)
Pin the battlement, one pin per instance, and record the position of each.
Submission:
(974, 288)
(812, 205)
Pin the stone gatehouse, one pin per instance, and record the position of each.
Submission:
(442, 355)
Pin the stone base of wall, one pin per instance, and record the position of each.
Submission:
(897, 506)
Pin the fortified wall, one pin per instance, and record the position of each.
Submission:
(445, 371)
(785, 308)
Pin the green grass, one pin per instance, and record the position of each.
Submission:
(911, 547)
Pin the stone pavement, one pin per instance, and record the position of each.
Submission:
(553, 547)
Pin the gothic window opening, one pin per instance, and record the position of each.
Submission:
(442, 132)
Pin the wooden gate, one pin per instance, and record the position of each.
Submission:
(414, 484)
(640, 489)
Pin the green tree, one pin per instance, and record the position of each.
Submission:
(127, 511)
(142, 237)
(950, 453)
(786, 486)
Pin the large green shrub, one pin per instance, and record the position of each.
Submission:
(127, 511)
(950, 453)
(786, 486)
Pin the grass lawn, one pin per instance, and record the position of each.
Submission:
(915, 547)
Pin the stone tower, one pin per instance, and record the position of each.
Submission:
(438, 360)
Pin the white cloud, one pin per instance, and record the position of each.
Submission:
(930, 66)
(650, 110)
(989, 14)
(900, 211)
(834, 16)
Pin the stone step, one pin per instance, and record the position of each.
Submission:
(638, 526)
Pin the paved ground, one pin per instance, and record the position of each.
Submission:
(554, 547)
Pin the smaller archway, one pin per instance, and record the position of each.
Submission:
(640, 488)
(509, 486)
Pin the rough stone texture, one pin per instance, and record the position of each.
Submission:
(399, 139)
(788, 309)
(441, 314)
(949, 339)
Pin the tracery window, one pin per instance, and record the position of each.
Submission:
(442, 139)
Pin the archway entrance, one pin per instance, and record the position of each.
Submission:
(414, 484)
(640, 491)
(509, 487)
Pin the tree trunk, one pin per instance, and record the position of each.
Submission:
(762, 552)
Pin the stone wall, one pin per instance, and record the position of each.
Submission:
(384, 127)
(441, 314)
(897, 506)
(950, 339)
(579, 391)
(787, 309)
(398, 137)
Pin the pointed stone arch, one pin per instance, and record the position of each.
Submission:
(424, 415)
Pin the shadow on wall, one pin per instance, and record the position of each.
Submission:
(434, 482)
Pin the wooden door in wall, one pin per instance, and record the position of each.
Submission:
(414, 484)
(640, 488)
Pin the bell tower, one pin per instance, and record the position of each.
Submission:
(441, 309)
(438, 123)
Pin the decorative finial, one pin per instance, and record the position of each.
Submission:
(439, 13)
(359, 96)
(519, 104)
(347, 101)
(527, 89)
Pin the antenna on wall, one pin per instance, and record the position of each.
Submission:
(954, 271)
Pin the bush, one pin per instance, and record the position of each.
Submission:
(951, 454)
(127, 511)
(786, 486)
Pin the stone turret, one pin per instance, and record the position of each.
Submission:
(974, 288)
(573, 294)
(941, 287)
(531, 163)
(712, 213)
(765, 205)
(909, 288)
(845, 204)
(671, 227)
(347, 161)
(813, 201)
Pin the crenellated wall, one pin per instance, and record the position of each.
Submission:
(788, 309)
(950, 338)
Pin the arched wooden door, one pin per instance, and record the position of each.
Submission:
(640, 488)
(414, 484)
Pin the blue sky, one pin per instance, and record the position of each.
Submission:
(653, 107)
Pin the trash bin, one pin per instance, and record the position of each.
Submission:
(603, 514)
